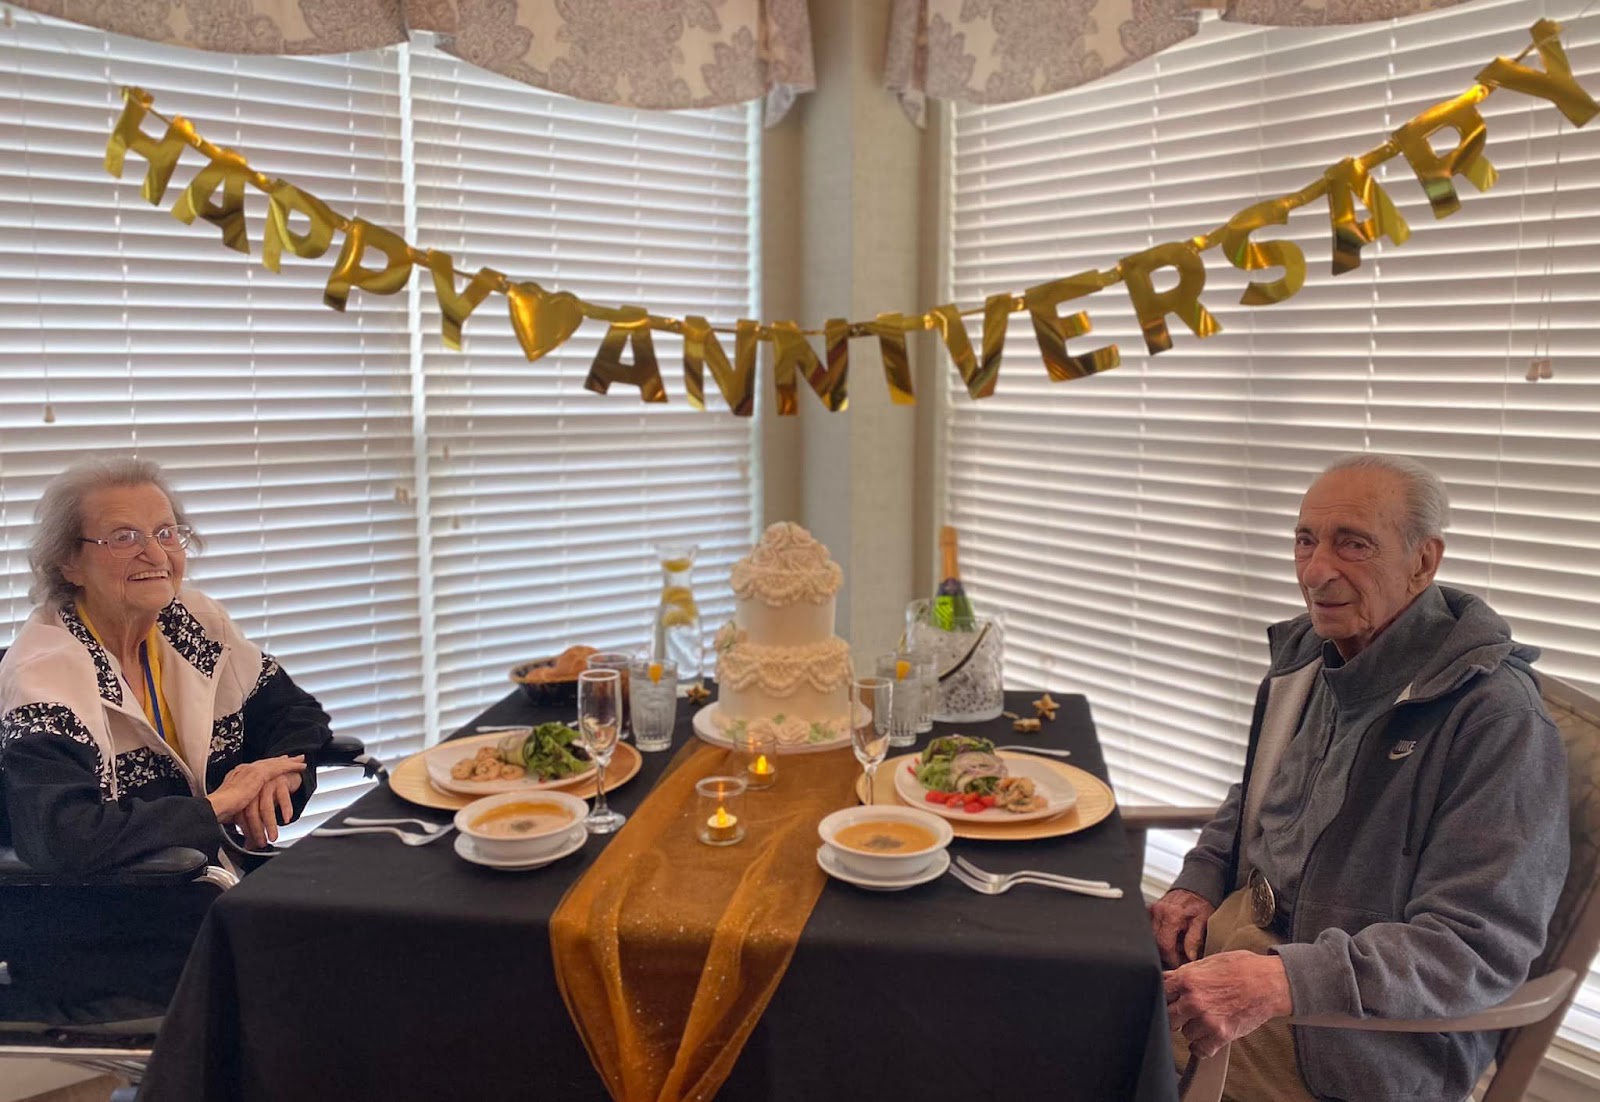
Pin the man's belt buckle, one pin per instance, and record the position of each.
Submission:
(1263, 903)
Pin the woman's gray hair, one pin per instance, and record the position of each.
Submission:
(1427, 503)
(58, 518)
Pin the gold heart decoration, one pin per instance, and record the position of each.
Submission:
(543, 321)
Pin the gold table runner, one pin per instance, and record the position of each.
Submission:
(668, 950)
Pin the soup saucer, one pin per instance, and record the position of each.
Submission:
(572, 843)
(830, 864)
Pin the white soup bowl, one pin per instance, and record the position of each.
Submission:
(884, 864)
(523, 846)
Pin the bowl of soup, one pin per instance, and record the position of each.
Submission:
(520, 825)
(884, 841)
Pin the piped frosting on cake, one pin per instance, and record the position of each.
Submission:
(787, 567)
(780, 667)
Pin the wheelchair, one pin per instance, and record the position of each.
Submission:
(88, 962)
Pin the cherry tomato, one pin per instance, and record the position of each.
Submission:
(935, 797)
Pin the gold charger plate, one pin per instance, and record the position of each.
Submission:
(409, 780)
(1095, 802)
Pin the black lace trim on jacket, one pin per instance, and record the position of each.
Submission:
(56, 721)
(189, 639)
(143, 766)
(110, 683)
(227, 738)
(269, 670)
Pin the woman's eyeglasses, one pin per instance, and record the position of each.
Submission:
(125, 543)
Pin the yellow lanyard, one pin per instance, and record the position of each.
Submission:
(155, 701)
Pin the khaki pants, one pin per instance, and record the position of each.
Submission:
(1261, 1065)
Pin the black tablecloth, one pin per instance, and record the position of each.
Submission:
(358, 968)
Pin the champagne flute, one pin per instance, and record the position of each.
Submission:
(871, 716)
(599, 713)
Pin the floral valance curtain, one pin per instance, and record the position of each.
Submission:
(1314, 13)
(1001, 51)
(661, 55)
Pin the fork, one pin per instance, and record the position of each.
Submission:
(405, 836)
(422, 824)
(989, 887)
(1038, 750)
(1032, 875)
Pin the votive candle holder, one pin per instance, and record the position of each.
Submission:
(758, 753)
(719, 813)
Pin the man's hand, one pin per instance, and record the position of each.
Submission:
(238, 799)
(1223, 997)
(1179, 922)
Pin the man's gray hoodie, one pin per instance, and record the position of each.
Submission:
(1416, 814)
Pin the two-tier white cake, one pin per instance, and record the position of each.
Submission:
(779, 664)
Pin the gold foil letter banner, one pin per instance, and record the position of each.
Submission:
(283, 200)
(227, 172)
(631, 327)
(162, 156)
(543, 320)
(736, 381)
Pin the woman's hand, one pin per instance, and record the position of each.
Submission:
(259, 820)
(250, 793)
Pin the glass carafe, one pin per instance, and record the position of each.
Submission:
(677, 626)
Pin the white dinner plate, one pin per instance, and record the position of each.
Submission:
(441, 758)
(572, 843)
(1046, 782)
(709, 729)
(831, 866)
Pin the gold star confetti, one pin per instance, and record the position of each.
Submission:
(1046, 707)
(698, 694)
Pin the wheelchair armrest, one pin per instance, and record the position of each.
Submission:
(339, 751)
(1139, 820)
(160, 868)
(1165, 817)
(343, 750)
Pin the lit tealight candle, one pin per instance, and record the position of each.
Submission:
(758, 751)
(762, 770)
(722, 827)
(720, 819)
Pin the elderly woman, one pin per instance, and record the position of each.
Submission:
(133, 713)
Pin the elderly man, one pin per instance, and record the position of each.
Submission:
(1400, 836)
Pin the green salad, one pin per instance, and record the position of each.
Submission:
(547, 753)
(960, 763)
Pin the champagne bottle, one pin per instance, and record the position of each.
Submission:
(952, 609)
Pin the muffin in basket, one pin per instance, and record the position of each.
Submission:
(552, 680)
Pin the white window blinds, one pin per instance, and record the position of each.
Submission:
(1134, 526)
(546, 499)
(530, 505)
(284, 426)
